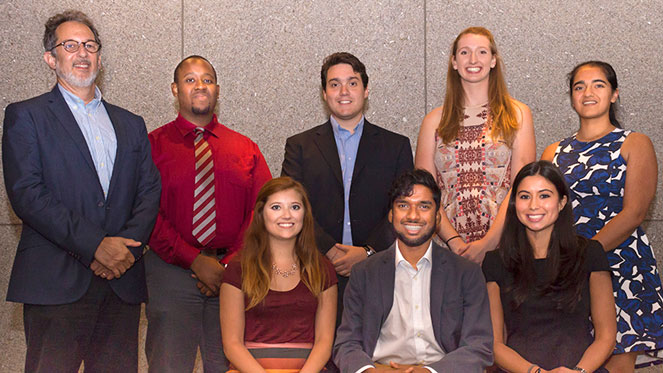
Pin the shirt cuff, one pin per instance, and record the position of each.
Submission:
(187, 256)
(365, 367)
(226, 259)
(431, 369)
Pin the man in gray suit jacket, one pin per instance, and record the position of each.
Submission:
(415, 307)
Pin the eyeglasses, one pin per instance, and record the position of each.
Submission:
(72, 46)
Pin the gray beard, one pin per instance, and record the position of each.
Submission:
(74, 80)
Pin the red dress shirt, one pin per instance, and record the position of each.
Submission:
(240, 171)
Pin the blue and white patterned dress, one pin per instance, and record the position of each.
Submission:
(595, 173)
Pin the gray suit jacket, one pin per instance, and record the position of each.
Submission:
(459, 308)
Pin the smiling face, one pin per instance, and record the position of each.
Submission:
(78, 69)
(538, 205)
(473, 58)
(283, 215)
(414, 217)
(345, 95)
(591, 94)
(196, 91)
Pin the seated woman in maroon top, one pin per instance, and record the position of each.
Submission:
(278, 300)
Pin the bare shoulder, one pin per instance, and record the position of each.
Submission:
(549, 152)
(432, 120)
(522, 110)
(636, 139)
(519, 104)
(638, 144)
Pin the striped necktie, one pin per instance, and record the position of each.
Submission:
(204, 210)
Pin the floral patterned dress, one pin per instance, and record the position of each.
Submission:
(474, 173)
(595, 173)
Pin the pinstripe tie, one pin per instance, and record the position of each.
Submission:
(204, 211)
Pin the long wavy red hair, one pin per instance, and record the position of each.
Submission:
(502, 111)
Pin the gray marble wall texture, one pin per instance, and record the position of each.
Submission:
(268, 56)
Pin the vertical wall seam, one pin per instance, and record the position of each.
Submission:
(425, 60)
(182, 31)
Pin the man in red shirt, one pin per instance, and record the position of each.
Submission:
(211, 176)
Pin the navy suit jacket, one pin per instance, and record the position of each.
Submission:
(54, 188)
(311, 158)
(459, 310)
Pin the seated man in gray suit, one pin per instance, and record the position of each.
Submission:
(415, 307)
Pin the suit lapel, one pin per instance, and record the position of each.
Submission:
(388, 282)
(61, 111)
(121, 137)
(437, 284)
(327, 145)
(366, 148)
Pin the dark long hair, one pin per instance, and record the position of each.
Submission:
(610, 75)
(566, 251)
(256, 257)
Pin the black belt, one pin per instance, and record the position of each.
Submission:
(218, 253)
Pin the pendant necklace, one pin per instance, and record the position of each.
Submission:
(287, 273)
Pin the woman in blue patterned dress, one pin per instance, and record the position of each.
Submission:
(612, 174)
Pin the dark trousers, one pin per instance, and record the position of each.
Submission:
(98, 329)
(180, 320)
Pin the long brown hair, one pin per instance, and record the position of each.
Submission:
(256, 258)
(502, 111)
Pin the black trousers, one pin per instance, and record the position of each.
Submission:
(99, 329)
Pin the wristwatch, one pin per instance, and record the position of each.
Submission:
(579, 369)
(370, 251)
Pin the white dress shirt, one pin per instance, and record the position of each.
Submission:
(407, 337)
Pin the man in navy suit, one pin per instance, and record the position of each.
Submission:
(79, 174)
(347, 165)
(416, 307)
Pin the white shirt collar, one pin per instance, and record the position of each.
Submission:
(428, 255)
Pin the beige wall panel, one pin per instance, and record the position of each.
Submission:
(12, 343)
(140, 43)
(654, 230)
(541, 42)
(268, 56)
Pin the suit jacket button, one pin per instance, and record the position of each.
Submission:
(100, 204)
